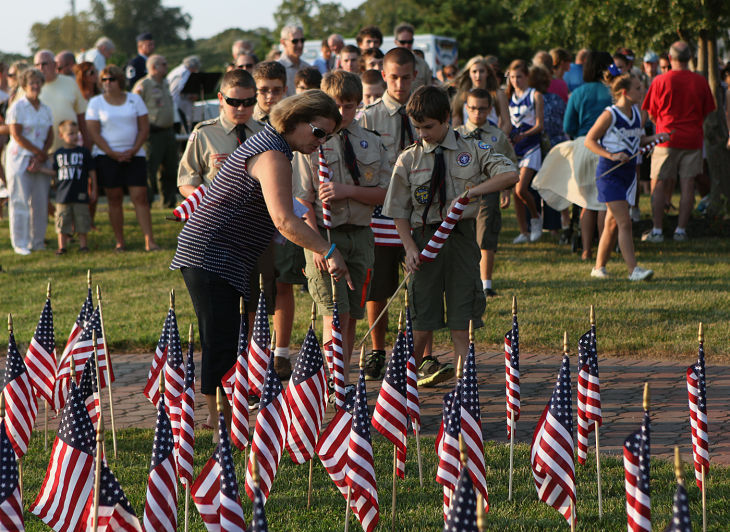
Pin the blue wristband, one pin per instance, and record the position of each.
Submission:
(330, 252)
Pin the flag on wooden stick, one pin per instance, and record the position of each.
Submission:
(637, 472)
(40, 360)
(21, 406)
(11, 500)
(185, 210)
(697, 394)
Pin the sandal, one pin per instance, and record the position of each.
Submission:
(61, 251)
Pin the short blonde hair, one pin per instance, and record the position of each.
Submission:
(303, 107)
(28, 75)
(343, 85)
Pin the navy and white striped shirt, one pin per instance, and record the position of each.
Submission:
(231, 227)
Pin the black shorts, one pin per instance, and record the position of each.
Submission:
(113, 174)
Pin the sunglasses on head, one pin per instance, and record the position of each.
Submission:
(319, 132)
(238, 102)
(410, 41)
(297, 41)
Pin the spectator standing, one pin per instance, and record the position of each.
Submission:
(322, 63)
(246, 62)
(31, 128)
(87, 79)
(335, 42)
(161, 147)
(119, 127)
(677, 103)
(65, 62)
(651, 66)
(99, 54)
(137, 67)
(176, 79)
(404, 37)
(240, 47)
(479, 74)
(350, 59)
(292, 40)
(574, 76)
(369, 37)
(62, 95)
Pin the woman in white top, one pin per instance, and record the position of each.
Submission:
(31, 135)
(118, 123)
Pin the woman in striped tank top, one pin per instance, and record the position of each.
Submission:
(250, 198)
(615, 138)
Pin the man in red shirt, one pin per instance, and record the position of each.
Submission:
(677, 102)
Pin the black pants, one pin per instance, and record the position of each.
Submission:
(217, 306)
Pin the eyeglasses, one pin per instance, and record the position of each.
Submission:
(238, 102)
(44, 63)
(320, 133)
(245, 66)
(409, 41)
(275, 92)
(12, 75)
(297, 41)
(107, 79)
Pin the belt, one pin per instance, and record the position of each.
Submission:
(157, 129)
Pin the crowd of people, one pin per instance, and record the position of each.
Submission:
(398, 144)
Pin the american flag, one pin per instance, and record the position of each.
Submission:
(185, 445)
(323, 171)
(512, 373)
(70, 475)
(62, 378)
(637, 472)
(551, 453)
(697, 393)
(160, 509)
(236, 389)
(272, 426)
(152, 388)
(384, 230)
(41, 356)
(333, 444)
(115, 512)
(306, 396)
(185, 210)
(228, 380)
(338, 358)
(11, 500)
(174, 379)
(88, 389)
(231, 512)
(589, 391)
(258, 521)
(438, 239)
(360, 477)
(21, 406)
(680, 512)
(259, 352)
(471, 425)
(445, 410)
(412, 403)
(206, 492)
(448, 452)
(463, 514)
(391, 413)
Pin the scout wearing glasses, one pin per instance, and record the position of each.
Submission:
(427, 178)
(270, 77)
(359, 174)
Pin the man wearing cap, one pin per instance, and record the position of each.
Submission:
(651, 66)
(137, 67)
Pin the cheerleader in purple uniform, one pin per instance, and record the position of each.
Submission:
(616, 137)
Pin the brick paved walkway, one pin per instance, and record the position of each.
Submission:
(621, 392)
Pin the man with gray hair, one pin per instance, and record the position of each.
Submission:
(292, 42)
(177, 78)
(677, 102)
(241, 46)
(102, 50)
(65, 62)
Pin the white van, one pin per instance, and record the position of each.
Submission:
(438, 50)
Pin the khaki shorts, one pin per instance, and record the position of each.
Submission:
(385, 272)
(289, 263)
(72, 218)
(356, 245)
(489, 221)
(453, 279)
(265, 267)
(671, 163)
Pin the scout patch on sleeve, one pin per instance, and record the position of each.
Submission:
(217, 159)
(463, 159)
(483, 145)
(421, 195)
(364, 144)
(368, 175)
(191, 137)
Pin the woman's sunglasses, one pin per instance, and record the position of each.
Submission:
(319, 132)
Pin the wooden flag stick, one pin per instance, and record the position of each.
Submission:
(395, 488)
(416, 428)
(97, 392)
(512, 423)
(97, 474)
(481, 514)
(385, 309)
(109, 371)
(349, 488)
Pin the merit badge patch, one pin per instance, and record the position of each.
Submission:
(192, 136)
(421, 194)
(494, 139)
(483, 145)
(463, 159)
(364, 144)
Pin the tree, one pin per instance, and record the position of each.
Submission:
(318, 19)
(64, 33)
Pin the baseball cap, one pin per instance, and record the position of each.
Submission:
(651, 57)
(145, 36)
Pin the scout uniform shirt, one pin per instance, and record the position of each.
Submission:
(491, 135)
(209, 144)
(468, 162)
(372, 162)
(383, 116)
(424, 76)
(157, 98)
(260, 115)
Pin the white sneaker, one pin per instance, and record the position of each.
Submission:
(651, 236)
(640, 274)
(535, 229)
(521, 239)
(600, 273)
(680, 237)
(21, 251)
(635, 214)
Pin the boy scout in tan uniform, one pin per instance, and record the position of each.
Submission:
(388, 117)
(161, 147)
(209, 145)
(489, 218)
(359, 176)
(428, 177)
(270, 77)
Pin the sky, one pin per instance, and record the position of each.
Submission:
(208, 17)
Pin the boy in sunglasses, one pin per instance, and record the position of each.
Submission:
(404, 37)
(359, 174)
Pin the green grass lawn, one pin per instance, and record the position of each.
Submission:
(553, 286)
(418, 508)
